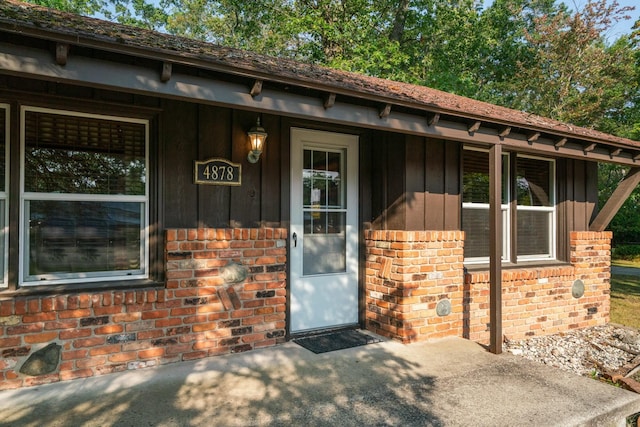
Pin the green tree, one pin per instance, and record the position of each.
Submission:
(574, 76)
(80, 7)
(531, 55)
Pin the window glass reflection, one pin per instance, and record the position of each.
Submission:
(72, 237)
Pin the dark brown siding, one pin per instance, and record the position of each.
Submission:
(179, 134)
(396, 185)
(442, 185)
(272, 172)
(434, 185)
(415, 179)
(245, 199)
(416, 183)
(192, 132)
(378, 180)
(577, 199)
(214, 141)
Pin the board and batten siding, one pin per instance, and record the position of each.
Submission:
(406, 182)
(416, 182)
(192, 131)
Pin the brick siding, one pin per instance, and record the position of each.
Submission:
(195, 316)
(203, 312)
(407, 273)
(539, 301)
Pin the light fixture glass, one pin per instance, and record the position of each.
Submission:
(257, 138)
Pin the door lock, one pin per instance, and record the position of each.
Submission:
(295, 240)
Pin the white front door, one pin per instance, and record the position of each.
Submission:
(324, 230)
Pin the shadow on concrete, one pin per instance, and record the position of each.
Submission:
(445, 382)
(287, 385)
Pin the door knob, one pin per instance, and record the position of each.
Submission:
(295, 240)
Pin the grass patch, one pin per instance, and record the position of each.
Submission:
(625, 300)
(634, 263)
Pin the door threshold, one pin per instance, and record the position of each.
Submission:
(323, 331)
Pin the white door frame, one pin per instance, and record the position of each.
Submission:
(325, 300)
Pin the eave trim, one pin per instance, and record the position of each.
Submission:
(37, 63)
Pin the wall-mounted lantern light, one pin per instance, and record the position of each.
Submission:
(257, 137)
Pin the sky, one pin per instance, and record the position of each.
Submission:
(622, 27)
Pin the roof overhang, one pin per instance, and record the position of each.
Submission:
(250, 86)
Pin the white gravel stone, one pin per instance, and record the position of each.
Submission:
(586, 352)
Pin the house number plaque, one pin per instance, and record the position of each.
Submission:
(218, 172)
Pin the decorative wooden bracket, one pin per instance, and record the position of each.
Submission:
(165, 75)
(474, 127)
(329, 101)
(434, 119)
(615, 152)
(384, 112)
(504, 132)
(533, 137)
(560, 143)
(589, 148)
(256, 89)
(62, 53)
(616, 200)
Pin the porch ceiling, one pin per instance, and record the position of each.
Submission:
(261, 83)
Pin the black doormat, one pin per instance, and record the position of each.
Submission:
(337, 340)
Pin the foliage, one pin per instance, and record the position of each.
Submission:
(80, 7)
(538, 56)
(572, 74)
(626, 252)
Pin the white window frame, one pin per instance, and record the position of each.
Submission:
(506, 232)
(4, 196)
(551, 210)
(507, 217)
(506, 214)
(74, 278)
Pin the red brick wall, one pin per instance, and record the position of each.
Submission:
(196, 315)
(538, 301)
(407, 274)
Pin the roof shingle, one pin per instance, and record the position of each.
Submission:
(22, 17)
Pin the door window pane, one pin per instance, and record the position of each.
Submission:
(322, 184)
(324, 244)
(324, 253)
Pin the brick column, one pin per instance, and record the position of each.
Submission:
(412, 279)
(591, 256)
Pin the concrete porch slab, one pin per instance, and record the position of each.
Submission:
(450, 382)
